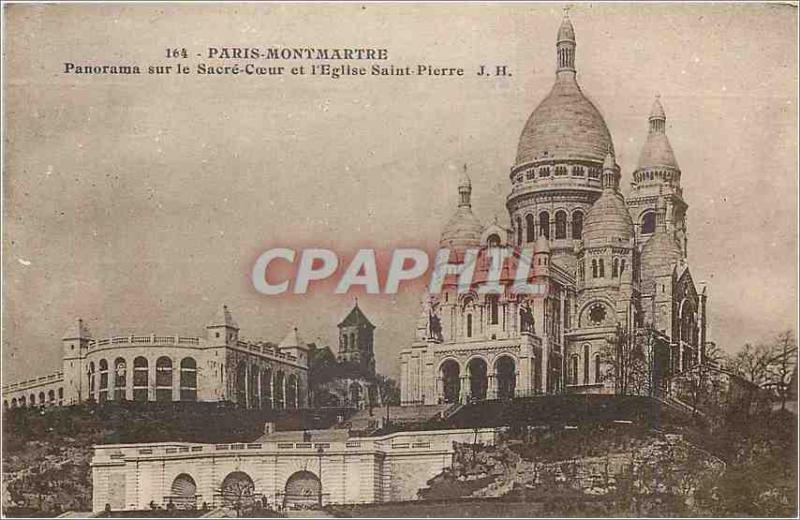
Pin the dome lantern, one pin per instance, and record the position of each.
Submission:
(464, 190)
(565, 46)
(610, 176)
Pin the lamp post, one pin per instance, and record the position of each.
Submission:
(320, 451)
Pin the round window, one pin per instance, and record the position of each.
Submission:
(597, 314)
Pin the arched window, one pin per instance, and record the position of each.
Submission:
(597, 375)
(519, 231)
(561, 225)
(602, 268)
(493, 240)
(188, 379)
(103, 380)
(51, 398)
(622, 267)
(32, 399)
(13, 402)
(577, 224)
(41, 398)
(530, 235)
(594, 268)
(140, 379)
(164, 379)
(586, 364)
(614, 268)
(648, 223)
(575, 370)
(60, 395)
(184, 492)
(22, 402)
(469, 325)
(120, 378)
(90, 377)
(494, 311)
(344, 341)
(451, 381)
(544, 224)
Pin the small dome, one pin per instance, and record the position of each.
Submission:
(660, 254)
(566, 32)
(657, 153)
(462, 230)
(608, 220)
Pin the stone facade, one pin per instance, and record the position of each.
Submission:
(608, 269)
(153, 367)
(282, 467)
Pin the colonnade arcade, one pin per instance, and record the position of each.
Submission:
(477, 379)
(144, 379)
(263, 387)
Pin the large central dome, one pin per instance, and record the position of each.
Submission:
(565, 125)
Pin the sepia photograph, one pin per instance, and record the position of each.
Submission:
(399, 259)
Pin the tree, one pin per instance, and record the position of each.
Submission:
(625, 356)
(751, 363)
(780, 365)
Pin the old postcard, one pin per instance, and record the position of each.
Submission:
(399, 260)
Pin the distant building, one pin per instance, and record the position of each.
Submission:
(153, 367)
(610, 269)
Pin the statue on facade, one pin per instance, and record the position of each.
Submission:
(526, 321)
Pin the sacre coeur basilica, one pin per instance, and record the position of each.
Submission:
(613, 270)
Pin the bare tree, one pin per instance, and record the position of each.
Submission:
(238, 494)
(625, 356)
(780, 365)
(751, 363)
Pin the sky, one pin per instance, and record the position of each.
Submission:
(139, 203)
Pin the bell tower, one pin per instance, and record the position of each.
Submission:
(356, 340)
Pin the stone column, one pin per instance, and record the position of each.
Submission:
(129, 380)
(258, 387)
(246, 385)
(176, 381)
(464, 388)
(492, 385)
(151, 380)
